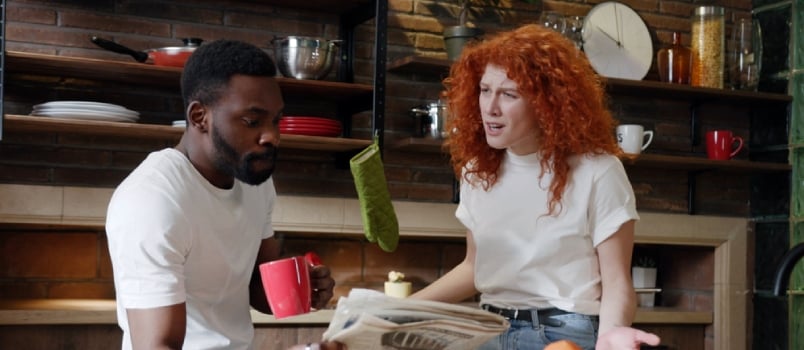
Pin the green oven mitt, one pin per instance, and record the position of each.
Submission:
(379, 219)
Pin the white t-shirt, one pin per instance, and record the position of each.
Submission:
(175, 238)
(526, 259)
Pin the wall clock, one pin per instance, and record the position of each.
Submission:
(617, 41)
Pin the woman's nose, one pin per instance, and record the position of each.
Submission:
(492, 108)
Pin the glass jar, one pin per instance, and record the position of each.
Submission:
(745, 55)
(674, 62)
(708, 37)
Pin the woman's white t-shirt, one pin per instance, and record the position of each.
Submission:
(527, 259)
(175, 238)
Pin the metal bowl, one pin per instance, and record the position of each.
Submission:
(305, 57)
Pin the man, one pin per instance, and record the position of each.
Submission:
(189, 226)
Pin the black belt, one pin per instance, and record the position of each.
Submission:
(526, 315)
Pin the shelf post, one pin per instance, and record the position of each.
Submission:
(2, 61)
(694, 134)
(380, 52)
(349, 23)
(692, 183)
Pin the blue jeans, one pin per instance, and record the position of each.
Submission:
(525, 335)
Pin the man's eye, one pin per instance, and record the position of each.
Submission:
(250, 122)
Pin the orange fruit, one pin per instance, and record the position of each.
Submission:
(562, 345)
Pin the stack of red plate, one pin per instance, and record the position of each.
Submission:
(311, 126)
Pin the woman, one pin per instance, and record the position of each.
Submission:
(549, 209)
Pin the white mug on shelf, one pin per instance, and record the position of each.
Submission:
(631, 138)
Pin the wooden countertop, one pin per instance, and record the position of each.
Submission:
(88, 311)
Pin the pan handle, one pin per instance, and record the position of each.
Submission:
(140, 56)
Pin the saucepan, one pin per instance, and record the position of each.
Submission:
(173, 56)
(429, 120)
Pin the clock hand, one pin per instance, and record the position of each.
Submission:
(609, 36)
(617, 22)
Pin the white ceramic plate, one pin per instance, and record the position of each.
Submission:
(84, 105)
(56, 111)
(72, 110)
(85, 115)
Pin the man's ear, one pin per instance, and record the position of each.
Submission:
(197, 116)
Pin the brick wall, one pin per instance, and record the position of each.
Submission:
(74, 263)
(64, 27)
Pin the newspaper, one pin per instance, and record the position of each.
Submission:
(368, 320)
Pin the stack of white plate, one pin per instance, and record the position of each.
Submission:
(86, 110)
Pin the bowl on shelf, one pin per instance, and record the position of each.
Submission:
(304, 57)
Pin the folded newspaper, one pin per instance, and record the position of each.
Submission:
(368, 320)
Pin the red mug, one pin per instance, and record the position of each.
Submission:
(720, 144)
(287, 286)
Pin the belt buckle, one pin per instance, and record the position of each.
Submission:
(516, 314)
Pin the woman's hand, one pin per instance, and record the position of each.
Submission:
(625, 338)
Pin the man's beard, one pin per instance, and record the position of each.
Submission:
(228, 161)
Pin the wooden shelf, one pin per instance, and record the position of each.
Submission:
(102, 311)
(644, 160)
(638, 88)
(169, 77)
(665, 315)
(31, 124)
(648, 160)
(420, 65)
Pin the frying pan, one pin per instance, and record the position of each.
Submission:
(172, 56)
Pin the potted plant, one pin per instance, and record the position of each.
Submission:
(456, 37)
(643, 274)
(396, 286)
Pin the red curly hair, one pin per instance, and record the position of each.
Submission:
(560, 85)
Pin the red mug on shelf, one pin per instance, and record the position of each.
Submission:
(720, 144)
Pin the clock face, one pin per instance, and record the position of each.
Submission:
(617, 41)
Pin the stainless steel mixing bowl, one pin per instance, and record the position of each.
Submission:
(303, 57)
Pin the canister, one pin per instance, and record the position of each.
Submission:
(708, 38)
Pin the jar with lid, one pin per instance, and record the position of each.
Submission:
(674, 62)
(708, 39)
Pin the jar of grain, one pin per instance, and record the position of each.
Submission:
(708, 37)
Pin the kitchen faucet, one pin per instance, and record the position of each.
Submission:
(789, 261)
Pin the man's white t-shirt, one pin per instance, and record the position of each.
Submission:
(175, 238)
(527, 259)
